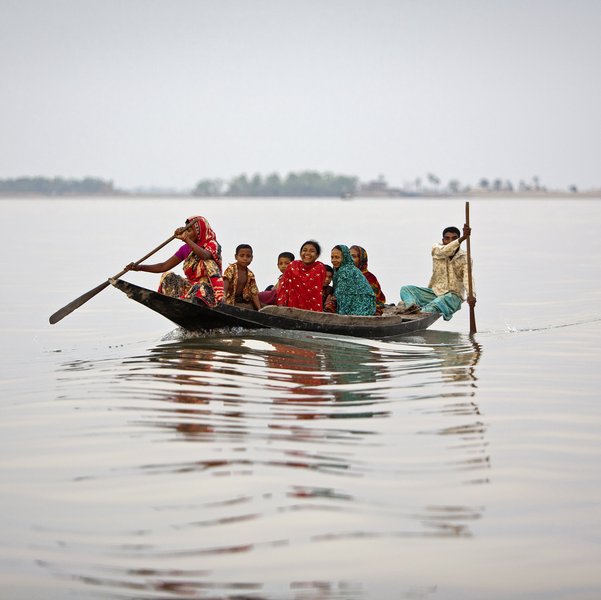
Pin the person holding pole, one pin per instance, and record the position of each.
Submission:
(195, 223)
(201, 255)
(450, 279)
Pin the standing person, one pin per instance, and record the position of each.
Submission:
(359, 256)
(301, 284)
(446, 290)
(201, 255)
(354, 295)
(239, 284)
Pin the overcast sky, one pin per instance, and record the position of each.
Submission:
(166, 92)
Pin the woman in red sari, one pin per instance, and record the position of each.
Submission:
(302, 283)
(359, 256)
(201, 254)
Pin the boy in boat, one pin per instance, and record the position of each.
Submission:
(328, 291)
(448, 284)
(270, 295)
(239, 285)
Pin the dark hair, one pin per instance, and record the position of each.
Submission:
(243, 247)
(337, 247)
(451, 230)
(329, 269)
(286, 255)
(314, 244)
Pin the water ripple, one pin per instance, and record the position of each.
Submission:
(209, 452)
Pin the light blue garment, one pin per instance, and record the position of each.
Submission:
(447, 304)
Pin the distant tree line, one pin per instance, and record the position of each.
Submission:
(57, 186)
(305, 183)
(432, 185)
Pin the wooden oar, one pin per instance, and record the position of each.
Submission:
(69, 308)
(470, 292)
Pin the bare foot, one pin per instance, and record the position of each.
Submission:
(411, 309)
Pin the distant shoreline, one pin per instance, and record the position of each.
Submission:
(302, 184)
(537, 194)
(530, 194)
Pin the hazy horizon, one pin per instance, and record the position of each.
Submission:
(150, 93)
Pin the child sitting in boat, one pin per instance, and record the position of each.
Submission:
(302, 283)
(270, 295)
(239, 285)
(328, 291)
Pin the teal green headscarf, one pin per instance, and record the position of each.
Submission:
(354, 295)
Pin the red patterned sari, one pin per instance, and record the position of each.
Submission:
(203, 276)
(371, 278)
(301, 286)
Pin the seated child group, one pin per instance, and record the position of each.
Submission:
(307, 283)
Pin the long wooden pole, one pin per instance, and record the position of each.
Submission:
(75, 304)
(470, 291)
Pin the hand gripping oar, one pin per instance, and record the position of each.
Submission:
(69, 308)
(470, 285)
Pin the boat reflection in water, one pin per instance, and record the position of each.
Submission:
(258, 457)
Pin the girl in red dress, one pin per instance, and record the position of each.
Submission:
(302, 283)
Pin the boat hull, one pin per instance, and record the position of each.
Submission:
(200, 317)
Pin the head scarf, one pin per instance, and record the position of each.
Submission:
(204, 279)
(371, 278)
(206, 238)
(203, 276)
(354, 295)
(362, 266)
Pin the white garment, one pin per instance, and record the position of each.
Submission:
(449, 270)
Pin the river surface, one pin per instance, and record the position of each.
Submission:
(140, 462)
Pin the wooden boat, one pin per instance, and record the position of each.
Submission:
(199, 317)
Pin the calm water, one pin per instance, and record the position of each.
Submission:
(138, 462)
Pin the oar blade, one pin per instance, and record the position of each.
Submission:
(69, 308)
(65, 310)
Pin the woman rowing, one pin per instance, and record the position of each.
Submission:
(201, 255)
